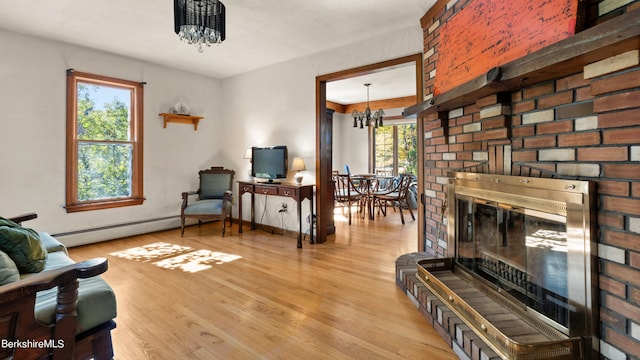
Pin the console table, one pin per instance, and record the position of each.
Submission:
(294, 191)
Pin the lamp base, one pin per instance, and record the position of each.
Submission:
(298, 178)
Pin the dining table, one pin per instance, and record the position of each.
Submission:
(368, 185)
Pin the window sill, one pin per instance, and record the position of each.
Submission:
(104, 204)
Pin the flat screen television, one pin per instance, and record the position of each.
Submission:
(269, 162)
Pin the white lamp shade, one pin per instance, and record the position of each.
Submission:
(298, 164)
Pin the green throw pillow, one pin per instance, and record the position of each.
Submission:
(23, 246)
(8, 270)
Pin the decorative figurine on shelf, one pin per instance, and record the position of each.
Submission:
(181, 108)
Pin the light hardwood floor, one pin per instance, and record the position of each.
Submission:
(256, 296)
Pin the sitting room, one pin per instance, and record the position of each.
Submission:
(169, 188)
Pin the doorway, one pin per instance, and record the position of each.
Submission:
(324, 139)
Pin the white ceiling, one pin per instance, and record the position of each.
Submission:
(258, 32)
(393, 82)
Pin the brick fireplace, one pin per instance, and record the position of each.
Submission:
(569, 111)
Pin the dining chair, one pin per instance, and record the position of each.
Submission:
(346, 194)
(366, 184)
(396, 196)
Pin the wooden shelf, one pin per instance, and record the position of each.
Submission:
(181, 119)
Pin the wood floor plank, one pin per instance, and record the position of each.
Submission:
(256, 296)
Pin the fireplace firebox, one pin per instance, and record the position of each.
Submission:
(522, 272)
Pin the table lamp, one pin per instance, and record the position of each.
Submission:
(298, 165)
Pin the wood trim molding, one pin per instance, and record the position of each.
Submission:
(400, 102)
(368, 69)
(324, 184)
(336, 107)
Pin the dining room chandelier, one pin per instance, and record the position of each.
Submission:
(199, 22)
(366, 118)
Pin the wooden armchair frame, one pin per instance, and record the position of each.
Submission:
(18, 323)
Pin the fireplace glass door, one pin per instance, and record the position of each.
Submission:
(521, 252)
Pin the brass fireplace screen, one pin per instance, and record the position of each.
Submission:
(523, 258)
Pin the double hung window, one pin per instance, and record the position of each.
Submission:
(104, 142)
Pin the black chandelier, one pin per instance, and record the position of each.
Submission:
(365, 117)
(199, 22)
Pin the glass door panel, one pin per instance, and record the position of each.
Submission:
(485, 220)
(546, 241)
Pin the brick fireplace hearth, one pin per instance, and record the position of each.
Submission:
(451, 328)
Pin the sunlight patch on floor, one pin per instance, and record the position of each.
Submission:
(340, 218)
(196, 261)
(151, 251)
(171, 256)
(340, 213)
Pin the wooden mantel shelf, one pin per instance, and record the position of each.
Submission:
(181, 119)
(563, 58)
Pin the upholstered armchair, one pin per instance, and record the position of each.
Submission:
(212, 200)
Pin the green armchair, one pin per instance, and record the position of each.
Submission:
(213, 198)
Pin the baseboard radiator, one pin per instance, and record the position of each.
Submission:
(115, 231)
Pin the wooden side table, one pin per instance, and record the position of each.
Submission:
(294, 191)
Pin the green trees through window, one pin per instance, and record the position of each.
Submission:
(396, 149)
(104, 146)
(384, 159)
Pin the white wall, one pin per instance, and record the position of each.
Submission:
(350, 145)
(270, 106)
(32, 136)
(276, 106)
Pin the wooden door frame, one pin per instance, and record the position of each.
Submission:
(324, 187)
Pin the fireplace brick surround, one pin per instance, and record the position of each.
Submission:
(581, 125)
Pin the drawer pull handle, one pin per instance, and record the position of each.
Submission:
(286, 193)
